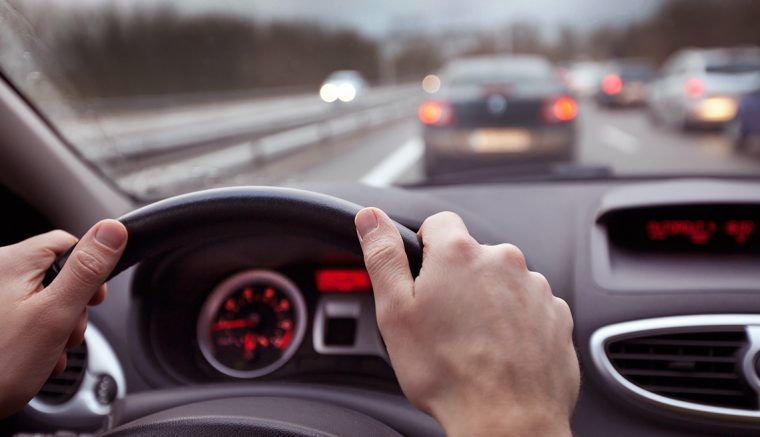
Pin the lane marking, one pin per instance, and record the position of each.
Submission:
(395, 164)
(619, 139)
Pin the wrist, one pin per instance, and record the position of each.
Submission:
(518, 424)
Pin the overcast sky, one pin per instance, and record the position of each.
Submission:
(378, 17)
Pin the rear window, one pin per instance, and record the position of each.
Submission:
(498, 72)
(734, 68)
(637, 72)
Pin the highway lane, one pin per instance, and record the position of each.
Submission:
(390, 152)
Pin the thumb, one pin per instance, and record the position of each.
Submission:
(384, 256)
(89, 265)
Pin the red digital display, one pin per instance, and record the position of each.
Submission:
(703, 229)
(343, 281)
(700, 232)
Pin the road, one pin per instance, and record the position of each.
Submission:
(387, 149)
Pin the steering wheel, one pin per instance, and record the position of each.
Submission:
(171, 224)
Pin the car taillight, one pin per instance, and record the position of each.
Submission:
(560, 109)
(612, 84)
(694, 88)
(436, 113)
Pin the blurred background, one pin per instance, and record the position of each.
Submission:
(167, 96)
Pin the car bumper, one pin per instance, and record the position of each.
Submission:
(467, 148)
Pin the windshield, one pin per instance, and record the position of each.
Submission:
(168, 96)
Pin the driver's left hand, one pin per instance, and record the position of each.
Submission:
(37, 324)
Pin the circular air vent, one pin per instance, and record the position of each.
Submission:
(86, 391)
(63, 387)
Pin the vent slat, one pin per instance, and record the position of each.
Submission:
(676, 342)
(692, 390)
(671, 357)
(61, 388)
(676, 374)
(700, 367)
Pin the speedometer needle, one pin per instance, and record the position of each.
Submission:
(234, 324)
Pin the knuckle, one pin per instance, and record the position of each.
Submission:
(448, 215)
(542, 284)
(512, 256)
(564, 310)
(459, 246)
(86, 267)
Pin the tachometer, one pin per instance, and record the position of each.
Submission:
(252, 324)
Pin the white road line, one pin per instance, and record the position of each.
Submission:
(619, 139)
(395, 164)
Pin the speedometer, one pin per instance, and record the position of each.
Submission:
(252, 324)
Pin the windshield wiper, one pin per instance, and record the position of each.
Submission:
(520, 173)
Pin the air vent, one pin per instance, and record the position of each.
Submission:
(698, 367)
(61, 388)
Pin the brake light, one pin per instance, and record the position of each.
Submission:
(436, 113)
(560, 109)
(695, 88)
(612, 84)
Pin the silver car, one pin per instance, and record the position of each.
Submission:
(700, 87)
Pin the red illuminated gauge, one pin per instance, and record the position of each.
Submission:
(252, 324)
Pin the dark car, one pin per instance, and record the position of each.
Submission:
(493, 111)
(626, 83)
(745, 128)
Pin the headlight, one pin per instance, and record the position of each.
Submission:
(346, 92)
(329, 93)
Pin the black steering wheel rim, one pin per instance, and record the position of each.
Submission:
(173, 223)
(180, 221)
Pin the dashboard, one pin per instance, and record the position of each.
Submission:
(662, 278)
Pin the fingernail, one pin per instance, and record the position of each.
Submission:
(366, 222)
(110, 234)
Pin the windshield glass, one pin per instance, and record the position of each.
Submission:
(168, 96)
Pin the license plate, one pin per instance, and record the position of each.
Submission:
(500, 140)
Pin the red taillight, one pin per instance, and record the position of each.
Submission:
(560, 109)
(343, 281)
(612, 84)
(436, 112)
(694, 88)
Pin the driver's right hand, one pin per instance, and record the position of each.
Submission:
(476, 340)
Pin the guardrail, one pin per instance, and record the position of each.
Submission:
(127, 136)
(271, 142)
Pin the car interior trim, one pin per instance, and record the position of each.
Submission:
(359, 307)
(84, 407)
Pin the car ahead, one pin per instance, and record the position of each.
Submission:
(625, 83)
(342, 86)
(744, 129)
(701, 87)
(493, 111)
